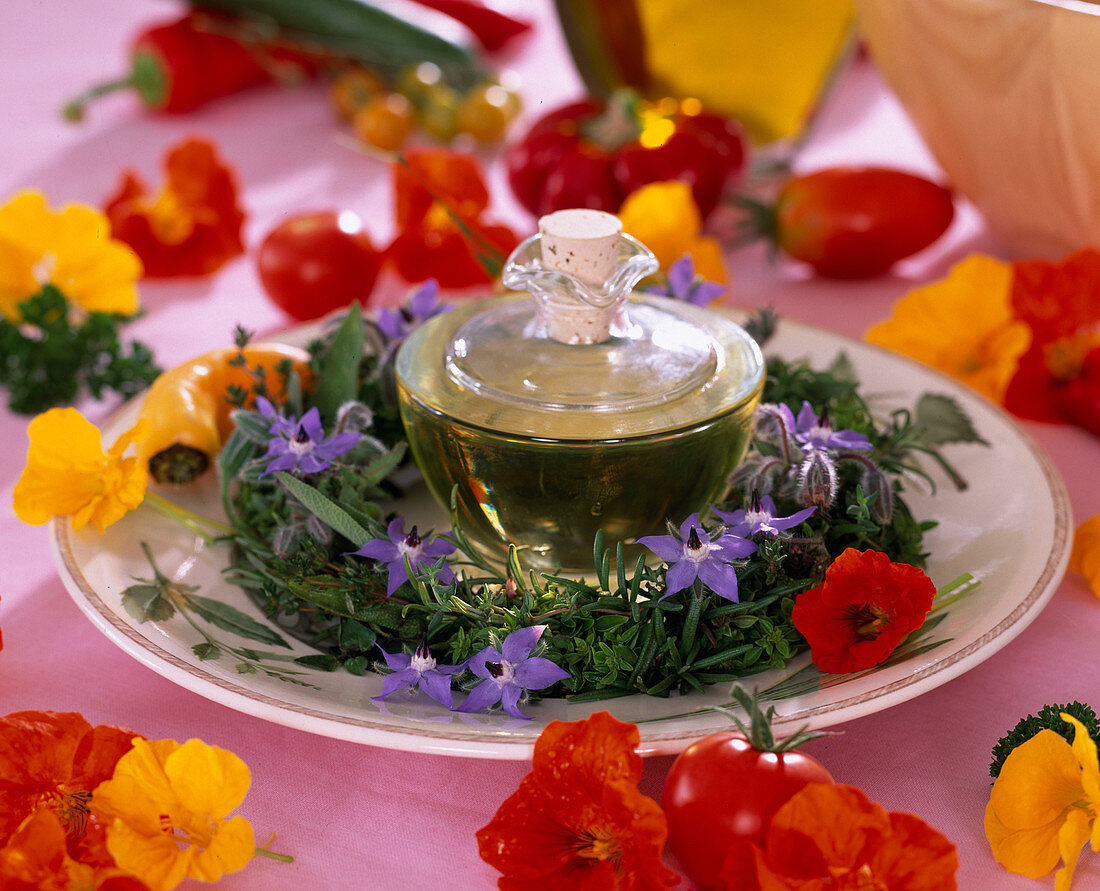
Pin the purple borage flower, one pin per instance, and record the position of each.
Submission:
(816, 433)
(760, 517)
(694, 555)
(422, 305)
(421, 671)
(509, 671)
(684, 284)
(393, 552)
(300, 444)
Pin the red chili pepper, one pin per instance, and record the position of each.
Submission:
(854, 222)
(178, 66)
(490, 28)
(591, 154)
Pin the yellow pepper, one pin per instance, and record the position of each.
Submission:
(189, 411)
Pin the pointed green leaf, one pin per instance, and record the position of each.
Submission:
(320, 661)
(941, 420)
(229, 618)
(340, 366)
(325, 509)
(147, 603)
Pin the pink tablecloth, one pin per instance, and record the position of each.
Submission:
(362, 817)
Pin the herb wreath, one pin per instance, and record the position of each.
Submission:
(299, 524)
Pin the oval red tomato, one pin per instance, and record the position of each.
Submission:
(317, 262)
(721, 792)
(857, 222)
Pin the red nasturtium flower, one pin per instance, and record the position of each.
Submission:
(577, 822)
(440, 197)
(1058, 379)
(862, 610)
(193, 226)
(832, 837)
(52, 761)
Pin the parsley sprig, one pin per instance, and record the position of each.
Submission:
(49, 357)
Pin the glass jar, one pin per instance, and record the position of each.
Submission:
(592, 406)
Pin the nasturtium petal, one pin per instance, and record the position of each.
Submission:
(232, 846)
(207, 780)
(1085, 558)
(1071, 839)
(155, 857)
(963, 325)
(1040, 778)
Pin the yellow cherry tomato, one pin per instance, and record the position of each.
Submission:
(384, 122)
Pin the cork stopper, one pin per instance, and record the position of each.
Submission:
(585, 245)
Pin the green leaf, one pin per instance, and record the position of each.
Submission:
(339, 378)
(940, 420)
(229, 618)
(382, 467)
(357, 665)
(320, 661)
(147, 603)
(843, 370)
(325, 509)
(206, 651)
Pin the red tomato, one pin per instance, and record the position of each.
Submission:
(721, 792)
(317, 262)
(857, 222)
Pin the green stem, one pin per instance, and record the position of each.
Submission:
(271, 855)
(958, 587)
(196, 522)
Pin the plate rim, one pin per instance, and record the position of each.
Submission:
(453, 741)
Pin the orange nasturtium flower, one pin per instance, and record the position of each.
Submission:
(68, 475)
(832, 836)
(663, 216)
(51, 761)
(165, 810)
(577, 822)
(192, 226)
(440, 200)
(963, 325)
(37, 857)
(71, 249)
(1044, 805)
(1085, 558)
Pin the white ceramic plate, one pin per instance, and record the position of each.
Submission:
(1011, 528)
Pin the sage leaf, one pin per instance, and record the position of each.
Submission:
(325, 509)
(339, 378)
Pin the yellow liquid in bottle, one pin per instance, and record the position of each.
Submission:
(763, 62)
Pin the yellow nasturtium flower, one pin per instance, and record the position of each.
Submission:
(71, 249)
(165, 809)
(663, 216)
(963, 325)
(68, 475)
(1044, 805)
(1085, 558)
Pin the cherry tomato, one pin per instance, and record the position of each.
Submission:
(486, 111)
(385, 121)
(857, 222)
(317, 262)
(352, 89)
(721, 792)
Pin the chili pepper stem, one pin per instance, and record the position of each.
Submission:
(146, 77)
(196, 522)
(73, 110)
